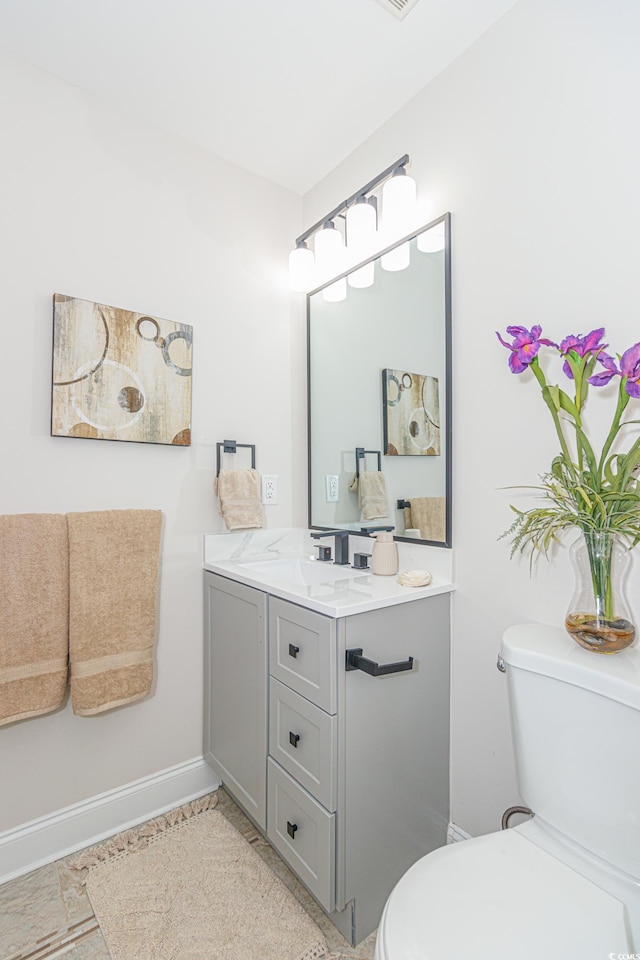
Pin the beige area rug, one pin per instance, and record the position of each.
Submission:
(194, 889)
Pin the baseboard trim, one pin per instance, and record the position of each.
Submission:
(456, 833)
(58, 834)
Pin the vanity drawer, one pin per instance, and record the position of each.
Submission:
(302, 738)
(302, 652)
(303, 833)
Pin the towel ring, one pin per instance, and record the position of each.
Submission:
(230, 446)
(360, 455)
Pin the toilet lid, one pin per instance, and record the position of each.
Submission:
(499, 897)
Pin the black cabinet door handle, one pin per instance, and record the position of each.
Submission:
(293, 650)
(355, 661)
(291, 829)
(293, 738)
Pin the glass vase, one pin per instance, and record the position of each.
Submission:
(599, 617)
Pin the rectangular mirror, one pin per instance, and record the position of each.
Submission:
(379, 400)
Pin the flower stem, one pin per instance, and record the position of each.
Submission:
(599, 549)
(623, 400)
(548, 399)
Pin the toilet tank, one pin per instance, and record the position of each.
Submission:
(575, 718)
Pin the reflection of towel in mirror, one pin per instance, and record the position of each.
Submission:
(372, 495)
(427, 513)
(34, 626)
(239, 499)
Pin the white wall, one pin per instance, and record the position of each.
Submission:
(95, 205)
(531, 140)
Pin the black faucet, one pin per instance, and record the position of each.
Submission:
(341, 552)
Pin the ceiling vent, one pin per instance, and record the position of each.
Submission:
(399, 8)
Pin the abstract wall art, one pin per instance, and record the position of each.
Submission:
(119, 375)
(411, 414)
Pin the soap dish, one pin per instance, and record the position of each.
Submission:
(415, 578)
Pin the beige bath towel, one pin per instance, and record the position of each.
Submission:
(239, 499)
(372, 494)
(428, 515)
(113, 577)
(34, 578)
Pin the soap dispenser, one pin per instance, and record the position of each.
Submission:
(384, 558)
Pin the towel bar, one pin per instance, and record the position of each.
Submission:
(360, 455)
(230, 446)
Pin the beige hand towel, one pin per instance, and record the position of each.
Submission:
(239, 499)
(34, 578)
(428, 514)
(113, 577)
(372, 495)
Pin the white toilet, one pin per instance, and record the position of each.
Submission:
(565, 885)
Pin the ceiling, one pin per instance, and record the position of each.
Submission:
(284, 88)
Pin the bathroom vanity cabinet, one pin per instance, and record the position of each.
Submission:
(345, 772)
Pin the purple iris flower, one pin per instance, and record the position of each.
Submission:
(525, 346)
(582, 345)
(629, 368)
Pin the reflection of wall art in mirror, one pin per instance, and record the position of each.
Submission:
(119, 375)
(411, 414)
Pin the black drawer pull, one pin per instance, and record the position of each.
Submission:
(291, 829)
(293, 650)
(293, 738)
(355, 661)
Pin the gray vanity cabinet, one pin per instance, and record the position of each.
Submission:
(235, 690)
(357, 763)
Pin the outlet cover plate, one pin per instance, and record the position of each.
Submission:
(269, 488)
(333, 488)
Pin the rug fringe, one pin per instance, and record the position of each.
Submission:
(318, 952)
(139, 837)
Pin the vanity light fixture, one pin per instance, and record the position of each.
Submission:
(431, 241)
(361, 223)
(398, 200)
(329, 247)
(336, 291)
(301, 261)
(398, 210)
(363, 277)
(359, 215)
(361, 229)
(396, 259)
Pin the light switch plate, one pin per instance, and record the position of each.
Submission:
(269, 488)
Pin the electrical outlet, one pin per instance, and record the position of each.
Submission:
(333, 489)
(269, 488)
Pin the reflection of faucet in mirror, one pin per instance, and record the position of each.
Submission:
(341, 555)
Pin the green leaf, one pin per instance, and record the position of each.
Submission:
(566, 403)
(553, 392)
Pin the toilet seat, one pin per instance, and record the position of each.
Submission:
(498, 897)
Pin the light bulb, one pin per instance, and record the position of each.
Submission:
(329, 249)
(363, 277)
(396, 259)
(398, 201)
(301, 263)
(336, 291)
(431, 241)
(361, 222)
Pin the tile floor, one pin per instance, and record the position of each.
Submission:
(43, 909)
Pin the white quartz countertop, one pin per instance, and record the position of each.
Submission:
(356, 591)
